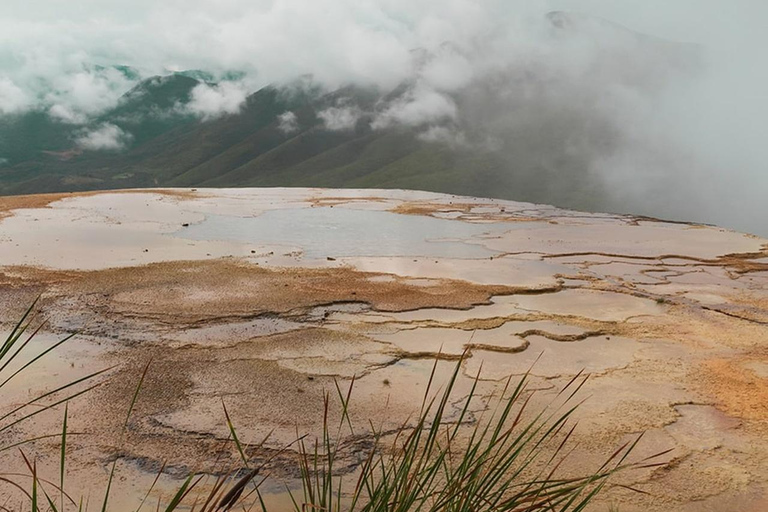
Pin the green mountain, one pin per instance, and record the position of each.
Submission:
(145, 111)
(152, 107)
(252, 148)
(166, 144)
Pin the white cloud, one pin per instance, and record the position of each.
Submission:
(211, 101)
(13, 99)
(67, 115)
(76, 96)
(287, 122)
(3, 161)
(444, 135)
(108, 137)
(340, 118)
(421, 105)
(447, 70)
(44, 46)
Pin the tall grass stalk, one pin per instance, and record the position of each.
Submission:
(506, 461)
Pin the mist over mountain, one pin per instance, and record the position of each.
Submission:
(553, 107)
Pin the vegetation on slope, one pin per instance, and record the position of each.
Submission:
(168, 146)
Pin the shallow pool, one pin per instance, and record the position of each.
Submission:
(337, 232)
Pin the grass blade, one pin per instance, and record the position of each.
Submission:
(233, 433)
(63, 455)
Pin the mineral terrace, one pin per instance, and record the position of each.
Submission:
(258, 299)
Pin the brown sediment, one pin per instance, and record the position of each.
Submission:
(189, 291)
(749, 305)
(681, 323)
(10, 203)
(179, 417)
(432, 356)
(566, 338)
(636, 219)
(737, 389)
(168, 411)
(497, 348)
(739, 263)
(465, 209)
(684, 324)
(743, 263)
(270, 342)
(429, 208)
(336, 201)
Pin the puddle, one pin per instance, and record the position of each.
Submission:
(74, 238)
(337, 232)
(597, 305)
(701, 427)
(506, 338)
(502, 270)
(606, 306)
(547, 358)
(429, 340)
(499, 307)
(646, 240)
(72, 360)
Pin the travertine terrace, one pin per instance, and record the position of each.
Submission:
(260, 298)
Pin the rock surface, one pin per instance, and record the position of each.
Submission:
(261, 298)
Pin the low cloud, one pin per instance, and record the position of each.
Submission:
(107, 137)
(340, 118)
(444, 135)
(212, 101)
(419, 106)
(13, 98)
(76, 97)
(287, 122)
(446, 69)
(65, 114)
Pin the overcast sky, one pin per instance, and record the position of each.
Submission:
(708, 130)
(334, 39)
(46, 46)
